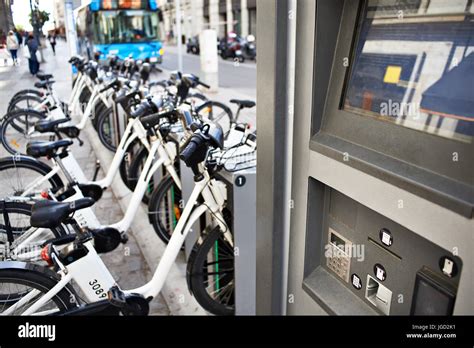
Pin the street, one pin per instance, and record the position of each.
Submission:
(242, 78)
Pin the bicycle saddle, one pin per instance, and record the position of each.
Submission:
(243, 103)
(46, 148)
(44, 84)
(50, 214)
(43, 76)
(45, 126)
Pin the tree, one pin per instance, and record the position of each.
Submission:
(40, 17)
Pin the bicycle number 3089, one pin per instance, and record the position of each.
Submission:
(97, 288)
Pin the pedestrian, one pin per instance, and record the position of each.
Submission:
(52, 41)
(18, 36)
(12, 46)
(32, 45)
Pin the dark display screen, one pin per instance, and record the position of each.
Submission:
(413, 65)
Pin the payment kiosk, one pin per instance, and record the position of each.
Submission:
(381, 196)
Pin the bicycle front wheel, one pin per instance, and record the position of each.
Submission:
(19, 174)
(27, 101)
(18, 128)
(14, 223)
(210, 273)
(105, 130)
(135, 171)
(165, 208)
(16, 283)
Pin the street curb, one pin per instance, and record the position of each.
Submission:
(175, 290)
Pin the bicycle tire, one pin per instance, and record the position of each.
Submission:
(99, 109)
(124, 167)
(157, 201)
(22, 208)
(21, 128)
(29, 98)
(135, 171)
(84, 97)
(225, 117)
(38, 278)
(28, 163)
(191, 98)
(105, 135)
(27, 91)
(198, 273)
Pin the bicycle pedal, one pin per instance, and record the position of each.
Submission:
(116, 297)
(124, 239)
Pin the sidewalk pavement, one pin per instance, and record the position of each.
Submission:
(127, 263)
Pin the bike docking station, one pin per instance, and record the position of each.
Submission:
(240, 214)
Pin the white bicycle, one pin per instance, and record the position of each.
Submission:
(160, 154)
(27, 289)
(19, 126)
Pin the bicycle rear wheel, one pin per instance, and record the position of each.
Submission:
(165, 208)
(218, 113)
(210, 273)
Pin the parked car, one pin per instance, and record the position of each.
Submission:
(231, 47)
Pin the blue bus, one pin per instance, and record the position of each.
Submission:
(120, 27)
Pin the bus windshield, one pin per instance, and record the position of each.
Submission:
(125, 26)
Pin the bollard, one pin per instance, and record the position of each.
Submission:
(209, 59)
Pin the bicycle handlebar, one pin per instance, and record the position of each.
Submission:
(114, 83)
(190, 149)
(204, 85)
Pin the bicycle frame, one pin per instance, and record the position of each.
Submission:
(74, 172)
(165, 152)
(89, 271)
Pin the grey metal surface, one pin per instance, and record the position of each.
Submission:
(335, 299)
(420, 214)
(242, 200)
(352, 221)
(404, 148)
(299, 301)
(449, 193)
(272, 111)
(187, 180)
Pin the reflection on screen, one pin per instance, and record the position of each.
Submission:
(414, 66)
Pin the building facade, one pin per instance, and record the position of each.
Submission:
(6, 19)
(224, 16)
(59, 14)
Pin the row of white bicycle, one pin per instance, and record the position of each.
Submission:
(50, 237)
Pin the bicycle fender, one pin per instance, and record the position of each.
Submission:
(29, 267)
(27, 159)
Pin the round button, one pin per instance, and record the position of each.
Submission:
(240, 181)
